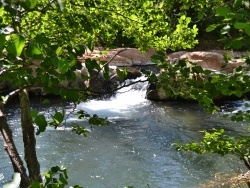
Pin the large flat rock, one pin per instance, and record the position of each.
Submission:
(121, 56)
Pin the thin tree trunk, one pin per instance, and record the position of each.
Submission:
(29, 139)
(10, 148)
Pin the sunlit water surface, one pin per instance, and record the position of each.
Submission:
(135, 149)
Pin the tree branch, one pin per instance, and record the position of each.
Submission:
(118, 88)
(118, 52)
(10, 95)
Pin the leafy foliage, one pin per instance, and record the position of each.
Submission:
(218, 142)
(56, 177)
(235, 24)
(235, 18)
(92, 120)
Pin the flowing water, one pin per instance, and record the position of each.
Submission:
(134, 150)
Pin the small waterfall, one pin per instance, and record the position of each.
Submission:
(126, 99)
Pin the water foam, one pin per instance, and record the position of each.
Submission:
(126, 99)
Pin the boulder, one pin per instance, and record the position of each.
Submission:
(129, 58)
(175, 56)
(121, 56)
(133, 73)
(155, 94)
(98, 85)
(207, 60)
(210, 60)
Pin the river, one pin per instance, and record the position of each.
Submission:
(134, 150)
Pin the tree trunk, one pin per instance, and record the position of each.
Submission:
(10, 148)
(29, 139)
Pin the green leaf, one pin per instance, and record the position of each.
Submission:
(55, 169)
(95, 120)
(77, 186)
(46, 101)
(16, 45)
(220, 131)
(58, 117)
(90, 46)
(36, 184)
(45, 78)
(120, 74)
(79, 129)
(222, 11)
(157, 58)
(42, 39)
(65, 172)
(30, 4)
(207, 101)
(182, 63)
(70, 95)
(91, 64)
(55, 61)
(240, 25)
(236, 43)
(238, 93)
(197, 69)
(237, 3)
(215, 79)
(82, 114)
(153, 78)
(33, 113)
(78, 65)
(34, 51)
(70, 75)
(59, 51)
(247, 30)
(41, 123)
(106, 72)
(79, 50)
(63, 65)
(63, 180)
(226, 92)
(200, 16)
(211, 27)
(246, 104)
(133, 17)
